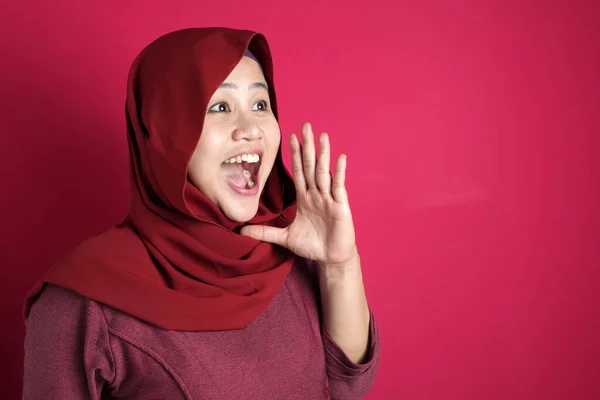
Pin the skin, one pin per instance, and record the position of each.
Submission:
(323, 229)
(238, 119)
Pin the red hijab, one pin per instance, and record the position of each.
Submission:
(177, 261)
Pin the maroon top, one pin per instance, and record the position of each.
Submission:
(77, 348)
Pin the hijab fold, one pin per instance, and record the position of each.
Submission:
(177, 261)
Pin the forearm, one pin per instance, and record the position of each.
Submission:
(345, 309)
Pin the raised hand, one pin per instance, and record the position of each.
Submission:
(323, 229)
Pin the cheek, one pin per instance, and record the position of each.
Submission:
(208, 150)
(273, 141)
(202, 165)
(274, 137)
(195, 169)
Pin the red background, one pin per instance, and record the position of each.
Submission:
(471, 129)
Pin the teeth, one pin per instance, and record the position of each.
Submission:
(250, 158)
(247, 174)
(250, 184)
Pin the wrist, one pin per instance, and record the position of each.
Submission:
(344, 270)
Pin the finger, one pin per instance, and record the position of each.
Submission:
(323, 174)
(308, 156)
(266, 234)
(339, 181)
(297, 171)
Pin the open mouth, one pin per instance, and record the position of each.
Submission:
(242, 171)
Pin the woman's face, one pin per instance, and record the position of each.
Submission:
(238, 145)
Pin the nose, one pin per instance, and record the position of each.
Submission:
(246, 129)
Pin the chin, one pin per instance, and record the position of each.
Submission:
(241, 213)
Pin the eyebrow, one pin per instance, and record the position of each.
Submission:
(255, 85)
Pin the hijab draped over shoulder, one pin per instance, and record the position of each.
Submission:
(176, 261)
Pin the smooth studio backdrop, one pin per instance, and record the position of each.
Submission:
(472, 133)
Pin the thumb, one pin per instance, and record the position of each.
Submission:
(266, 234)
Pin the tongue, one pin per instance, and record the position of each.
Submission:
(235, 174)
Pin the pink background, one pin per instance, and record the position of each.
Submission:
(472, 133)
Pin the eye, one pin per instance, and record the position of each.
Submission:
(219, 107)
(260, 106)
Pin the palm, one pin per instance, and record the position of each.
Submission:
(323, 229)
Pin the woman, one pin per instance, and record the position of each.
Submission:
(228, 279)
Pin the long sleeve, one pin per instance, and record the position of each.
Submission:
(348, 380)
(67, 351)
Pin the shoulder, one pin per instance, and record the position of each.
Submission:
(65, 325)
(58, 311)
(119, 241)
(56, 297)
(66, 332)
